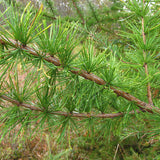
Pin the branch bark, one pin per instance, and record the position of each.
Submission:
(89, 76)
(60, 113)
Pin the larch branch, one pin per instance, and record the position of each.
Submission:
(66, 114)
(145, 64)
(89, 76)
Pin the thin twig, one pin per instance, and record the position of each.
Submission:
(78, 11)
(116, 152)
(66, 114)
(145, 64)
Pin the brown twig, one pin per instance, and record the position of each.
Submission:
(78, 11)
(80, 115)
(4, 97)
(86, 75)
(145, 64)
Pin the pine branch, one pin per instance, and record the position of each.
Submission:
(60, 113)
(89, 76)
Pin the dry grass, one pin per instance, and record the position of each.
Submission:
(41, 145)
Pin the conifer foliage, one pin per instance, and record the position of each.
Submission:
(62, 87)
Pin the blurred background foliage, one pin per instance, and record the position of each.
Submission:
(95, 16)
